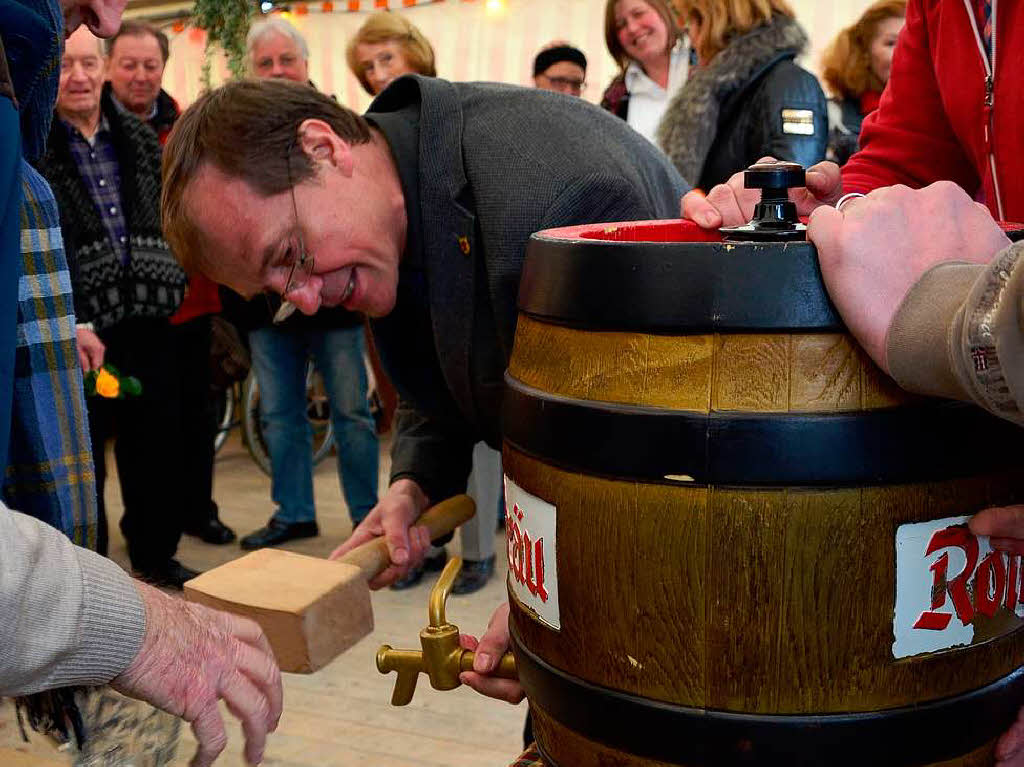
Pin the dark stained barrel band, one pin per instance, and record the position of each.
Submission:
(935, 441)
(679, 287)
(923, 734)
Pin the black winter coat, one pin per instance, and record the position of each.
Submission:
(753, 122)
(749, 101)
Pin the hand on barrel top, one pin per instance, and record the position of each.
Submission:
(866, 280)
(489, 648)
(193, 656)
(393, 517)
(730, 204)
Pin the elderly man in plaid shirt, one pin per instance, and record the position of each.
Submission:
(104, 168)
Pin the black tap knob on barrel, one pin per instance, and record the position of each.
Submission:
(775, 217)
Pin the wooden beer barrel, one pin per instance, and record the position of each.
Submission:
(732, 539)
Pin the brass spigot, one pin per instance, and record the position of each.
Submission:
(441, 659)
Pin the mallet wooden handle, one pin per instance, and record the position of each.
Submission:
(372, 557)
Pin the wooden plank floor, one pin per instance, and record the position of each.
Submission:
(340, 716)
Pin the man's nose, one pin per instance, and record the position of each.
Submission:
(307, 297)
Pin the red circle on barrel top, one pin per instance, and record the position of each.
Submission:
(667, 230)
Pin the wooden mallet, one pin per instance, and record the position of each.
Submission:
(311, 609)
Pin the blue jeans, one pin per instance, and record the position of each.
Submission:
(279, 359)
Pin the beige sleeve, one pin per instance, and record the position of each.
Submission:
(959, 333)
(67, 615)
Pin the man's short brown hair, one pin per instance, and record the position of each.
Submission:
(247, 130)
(141, 29)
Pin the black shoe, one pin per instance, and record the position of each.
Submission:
(432, 564)
(474, 575)
(279, 532)
(212, 530)
(171, 574)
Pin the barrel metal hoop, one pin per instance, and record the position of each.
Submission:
(676, 287)
(915, 735)
(934, 441)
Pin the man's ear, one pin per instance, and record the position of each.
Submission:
(324, 147)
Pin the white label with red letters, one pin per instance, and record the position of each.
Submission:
(952, 588)
(532, 568)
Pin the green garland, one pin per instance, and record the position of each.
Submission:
(226, 23)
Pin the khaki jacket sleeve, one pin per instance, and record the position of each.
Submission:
(67, 615)
(959, 333)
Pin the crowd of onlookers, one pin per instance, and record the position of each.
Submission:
(714, 84)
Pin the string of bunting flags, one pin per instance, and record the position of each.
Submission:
(347, 6)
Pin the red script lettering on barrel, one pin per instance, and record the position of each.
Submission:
(530, 526)
(952, 588)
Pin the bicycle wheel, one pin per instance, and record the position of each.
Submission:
(318, 412)
(224, 402)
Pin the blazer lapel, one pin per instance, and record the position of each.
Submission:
(449, 229)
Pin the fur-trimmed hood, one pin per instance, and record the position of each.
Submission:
(690, 123)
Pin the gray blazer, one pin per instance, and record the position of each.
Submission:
(497, 163)
(67, 615)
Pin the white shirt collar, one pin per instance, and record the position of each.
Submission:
(647, 99)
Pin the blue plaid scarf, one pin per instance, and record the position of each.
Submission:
(50, 470)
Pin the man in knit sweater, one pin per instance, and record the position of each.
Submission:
(103, 166)
(68, 616)
(136, 59)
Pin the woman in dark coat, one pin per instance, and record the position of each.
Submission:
(856, 68)
(747, 98)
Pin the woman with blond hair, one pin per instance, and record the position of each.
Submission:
(855, 68)
(386, 47)
(747, 98)
(653, 57)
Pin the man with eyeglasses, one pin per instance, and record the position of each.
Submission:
(560, 67)
(418, 215)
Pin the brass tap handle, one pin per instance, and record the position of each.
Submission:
(408, 664)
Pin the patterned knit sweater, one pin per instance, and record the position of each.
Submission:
(107, 291)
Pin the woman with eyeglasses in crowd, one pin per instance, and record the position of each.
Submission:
(653, 56)
(747, 97)
(855, 68)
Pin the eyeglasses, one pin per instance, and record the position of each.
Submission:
(570, 84)
(302, 266)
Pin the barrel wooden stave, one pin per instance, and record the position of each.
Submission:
(799, 373)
